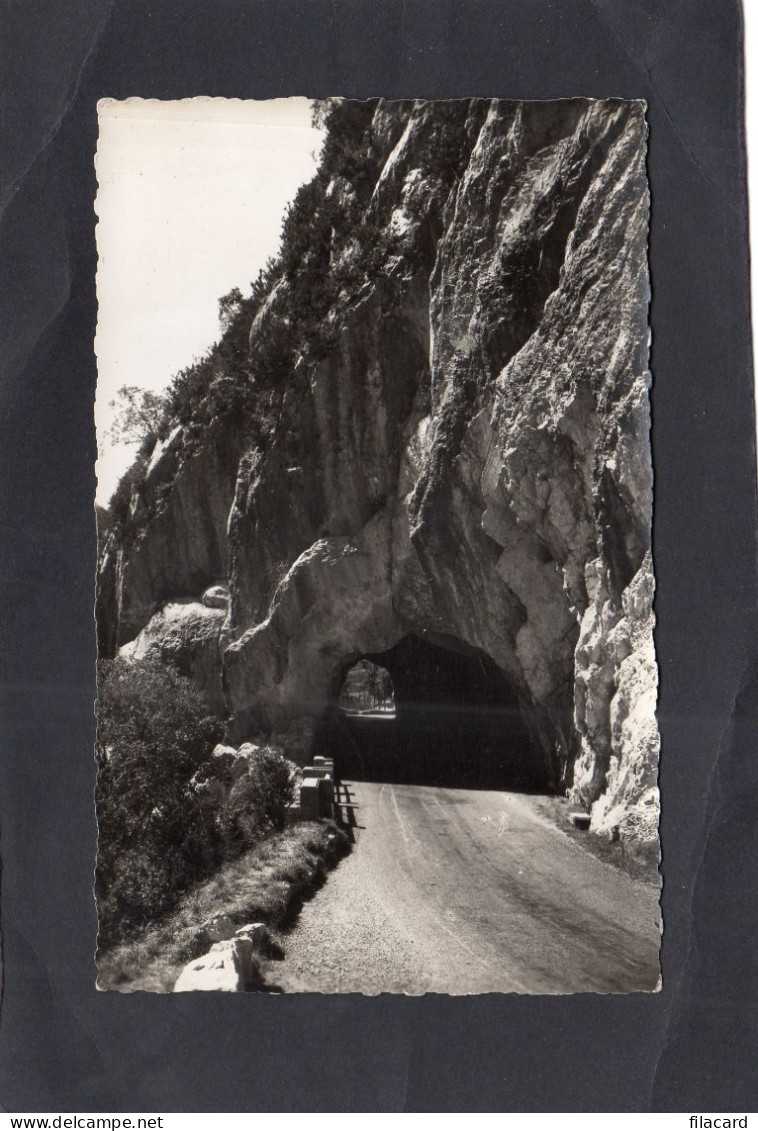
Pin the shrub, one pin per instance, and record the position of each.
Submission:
(185, 392)
(349, 150)
(154, 732)
(160, 829)
(257, 803)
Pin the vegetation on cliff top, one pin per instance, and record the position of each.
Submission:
(333, 240)
(232, 378)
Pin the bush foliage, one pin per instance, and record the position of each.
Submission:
(257, 802)
(138, 418)
(158, 832)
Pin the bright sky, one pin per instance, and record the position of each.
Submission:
(190, 201)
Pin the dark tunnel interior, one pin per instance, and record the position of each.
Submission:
(457, 723)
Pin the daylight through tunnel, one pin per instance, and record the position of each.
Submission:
(446, 715)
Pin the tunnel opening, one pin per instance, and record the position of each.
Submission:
(367, 689)
(457, 722)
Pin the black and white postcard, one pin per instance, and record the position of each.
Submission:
(377, 682)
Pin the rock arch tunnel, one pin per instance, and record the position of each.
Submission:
(457, 722)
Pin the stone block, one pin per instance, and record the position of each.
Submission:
(228, 967)
(216, 929)
(257, 933)
(248, 750)
(316, 798)
(221, 750)
(310, 804)
(326, 796)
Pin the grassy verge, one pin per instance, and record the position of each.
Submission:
(640, 861)
(266, 884)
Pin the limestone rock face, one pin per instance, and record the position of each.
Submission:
(185, 635)
(465, 458)
(176, 544)
(629, 800)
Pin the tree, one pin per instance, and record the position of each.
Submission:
(138, 416)
(229, 306)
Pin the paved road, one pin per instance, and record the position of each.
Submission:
(461, 891)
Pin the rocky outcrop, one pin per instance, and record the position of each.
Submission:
(185, 635)
(177, 541)
(216, 597)
(461, 456)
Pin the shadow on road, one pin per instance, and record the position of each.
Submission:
(344, 810)
(432, 746)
